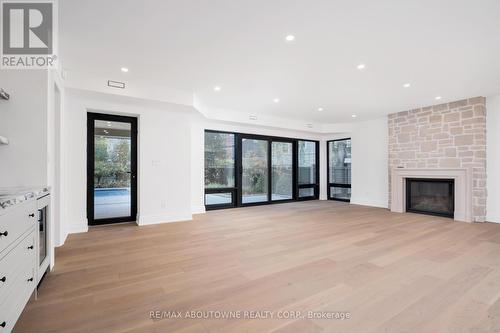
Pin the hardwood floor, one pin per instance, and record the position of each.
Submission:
(389, 272)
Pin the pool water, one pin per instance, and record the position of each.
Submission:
(111, 203)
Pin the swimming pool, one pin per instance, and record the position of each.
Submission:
(111, 202)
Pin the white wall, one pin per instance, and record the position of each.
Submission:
(370, 157)
(493, 158)
(23, 120)
(370, 180)
(164, 174)
(171, 156)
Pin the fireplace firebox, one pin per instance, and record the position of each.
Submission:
(430, 196)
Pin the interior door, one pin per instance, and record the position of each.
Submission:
(111, 169)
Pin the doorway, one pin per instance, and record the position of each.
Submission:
(111, 169)
(250, 169)
(266, 169)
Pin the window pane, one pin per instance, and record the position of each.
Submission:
(255, 170)
(282, 173)
(219, 160)
(342, 193)
(218, 198)
(307, 162)
(306, 192)
(112, 169)
(339, 163)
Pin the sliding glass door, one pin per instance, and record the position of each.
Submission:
(339, 170)
(111, 169)
(247, 169)
(255, 170)
(282, 171)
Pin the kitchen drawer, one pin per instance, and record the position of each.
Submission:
(16, 222)
(17, 296)
(16, 260)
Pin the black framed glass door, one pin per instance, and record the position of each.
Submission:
(282, 170)
(339, 169)
(250, 169)
(254, 170)
(111, 168)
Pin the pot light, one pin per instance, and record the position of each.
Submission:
(290, 38)
(361, 66)
(437, 98)
(353, 116)
(406, 85)
(320, 109)
(276, 100)
(124, 69)
(217, 88)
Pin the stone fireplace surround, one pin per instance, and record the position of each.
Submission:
(442, 141)
(463, 188)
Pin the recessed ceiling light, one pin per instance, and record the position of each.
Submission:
(361, 66)
(124, 69)
(217, 88)
(276, 100)
(320, 109)
(438, 98)
(406, 85)
(354, 116)
(290, 38)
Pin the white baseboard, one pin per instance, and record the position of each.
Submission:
(198, 210)
(77, 228)
(162, 218)
(62, 240)
(371, 203)
(493, 218)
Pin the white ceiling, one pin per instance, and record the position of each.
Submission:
(448, 48)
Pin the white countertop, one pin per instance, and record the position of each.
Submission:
(11, 196)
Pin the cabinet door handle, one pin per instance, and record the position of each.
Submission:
(3, 279)
(5, 233)
(32, 215)
(30, 247)
(30, 279)
(3, 324)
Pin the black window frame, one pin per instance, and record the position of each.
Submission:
(133, 121)
(315, 185)
(215, 190)
(329, 183)
(236, 191)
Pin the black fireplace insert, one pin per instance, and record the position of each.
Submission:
(430, 196)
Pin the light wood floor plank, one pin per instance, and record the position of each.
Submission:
(391, 272)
